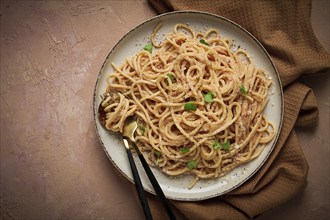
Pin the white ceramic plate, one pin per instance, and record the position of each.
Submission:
(176, 188)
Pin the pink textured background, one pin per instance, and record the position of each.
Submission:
(52, 165)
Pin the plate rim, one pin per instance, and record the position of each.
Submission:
(281, 95)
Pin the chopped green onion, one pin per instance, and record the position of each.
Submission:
(191, 165)
(226, 145)
(157, 154)
(142, 129)
(148, 48)
(208, 97)
(184, 150)
(243, 90)
(204, 42)
(170, 76)
(190, 107)
(216, 144)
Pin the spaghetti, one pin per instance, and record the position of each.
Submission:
(198, 102)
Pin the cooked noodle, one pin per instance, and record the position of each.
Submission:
(221, 127)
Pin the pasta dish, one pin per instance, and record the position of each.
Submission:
(198, 101)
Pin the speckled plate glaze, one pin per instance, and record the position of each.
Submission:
(176, 188)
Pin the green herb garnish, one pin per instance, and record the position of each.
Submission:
(226, 145)
(190, 107)
(184, 150)
(243, 90)
(203, 42)
(157, 154)
(148, 48)
(208, 97)
(216, 144)
(142, 129)
(191, 165)
(170, 76)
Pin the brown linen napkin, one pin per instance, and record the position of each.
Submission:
(284, 29)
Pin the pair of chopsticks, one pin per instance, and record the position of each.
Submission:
(153, 181)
